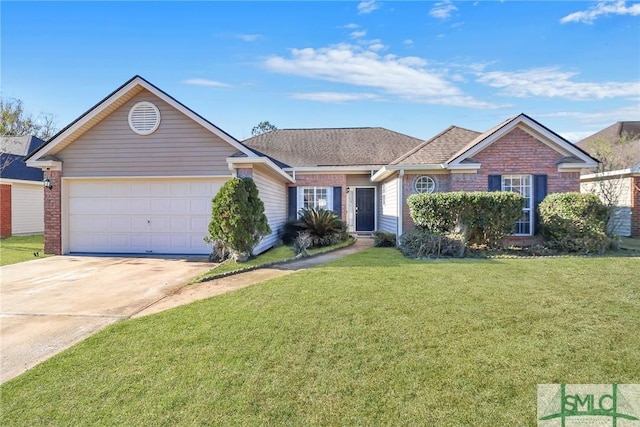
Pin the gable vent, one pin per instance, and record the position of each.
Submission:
(144, 118)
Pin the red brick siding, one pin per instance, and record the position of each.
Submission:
(325, 180)
(635, 206)
(519, 153)
(5, 210)
(53, 214)
(515, 153)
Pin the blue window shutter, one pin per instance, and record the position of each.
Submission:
(292, 206)
(539, 193)
(337, 201)
(495, 182)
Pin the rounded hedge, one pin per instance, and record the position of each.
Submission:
(574, 222)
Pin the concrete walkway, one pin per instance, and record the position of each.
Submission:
(223, 285)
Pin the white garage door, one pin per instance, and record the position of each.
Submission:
(138, 216)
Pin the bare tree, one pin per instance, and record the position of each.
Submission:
(609, 187)
(16, 122)
(262, 127)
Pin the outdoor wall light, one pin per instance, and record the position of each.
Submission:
(348, 189)
(47, 183)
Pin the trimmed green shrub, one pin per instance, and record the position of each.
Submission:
(574, 222)
(483, 217)
(424, 244)
(237, 217)
(324, 227)
(383, 239)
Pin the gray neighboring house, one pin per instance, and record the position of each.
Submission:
(622, 184)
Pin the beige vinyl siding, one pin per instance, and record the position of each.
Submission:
(179, 147)
(273, 194)
(620, 189)
(27, 208)
(388, 219)
(359, 181)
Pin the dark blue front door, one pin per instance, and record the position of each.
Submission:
(365, 209)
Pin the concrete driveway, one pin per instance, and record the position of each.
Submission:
(49, 304)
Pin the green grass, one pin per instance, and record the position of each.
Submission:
(371, 339)
(272, 256)
(17, 249)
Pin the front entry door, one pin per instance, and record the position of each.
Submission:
(365, 209)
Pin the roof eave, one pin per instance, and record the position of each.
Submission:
(235, 161)
(122, 91)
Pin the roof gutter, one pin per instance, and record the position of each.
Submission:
(388, 170)
(232, 161)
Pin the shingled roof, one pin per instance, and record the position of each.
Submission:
(438, 149)
(624, 140)
(333, 147)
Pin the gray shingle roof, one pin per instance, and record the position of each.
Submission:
(625, 154)
(439, 148)
(333, 147)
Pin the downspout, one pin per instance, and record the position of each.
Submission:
(400, 202)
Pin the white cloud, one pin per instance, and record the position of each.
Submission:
(248, 37)
(408, 42)
(551, 82)
(443, 9)
(594, 120)
(335, 97)
(351, 26)
(367, 6)
(407, 78)
(608, 116)
(618, 7)
(358, 34)
(205, 82)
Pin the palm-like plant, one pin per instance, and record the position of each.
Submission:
(323, 226)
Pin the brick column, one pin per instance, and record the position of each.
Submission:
(635, 206)
(53, 214)
(5, 210)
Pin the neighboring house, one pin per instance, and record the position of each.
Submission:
(137, 172)
(21, 199)
(619, 186)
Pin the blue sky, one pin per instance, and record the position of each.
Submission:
(412, 67)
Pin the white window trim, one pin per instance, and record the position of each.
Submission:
(525, 209)
(300, 197)
(435, 185)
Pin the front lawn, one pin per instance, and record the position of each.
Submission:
(20, 248)
(371, 339)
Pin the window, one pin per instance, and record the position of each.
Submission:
(520, 184)
(315, 198)
(425, 184)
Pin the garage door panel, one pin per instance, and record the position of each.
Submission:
(140, 216)
(119, 205)
(160, 205)
(140, 206)
(121, 224)
(179, 189)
